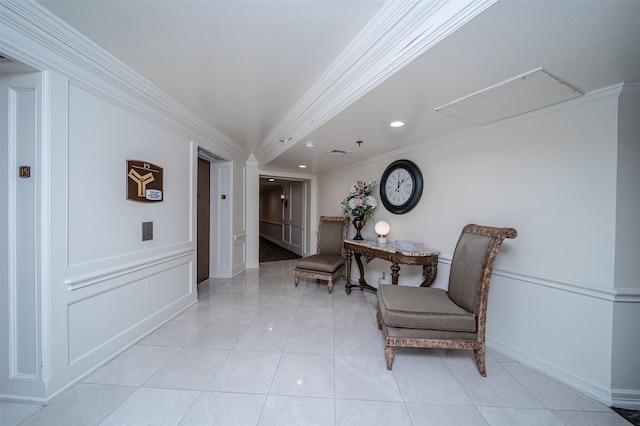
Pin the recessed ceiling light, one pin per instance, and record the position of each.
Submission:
(397, 123)
(302, 166)
(272, 180)
(310, 145)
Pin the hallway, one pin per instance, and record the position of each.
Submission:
(255, 350)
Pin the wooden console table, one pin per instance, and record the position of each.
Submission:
(372, 250)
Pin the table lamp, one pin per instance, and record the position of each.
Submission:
(382, 229)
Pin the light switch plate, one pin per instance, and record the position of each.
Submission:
(147, 231)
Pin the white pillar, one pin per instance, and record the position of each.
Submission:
(252, 212)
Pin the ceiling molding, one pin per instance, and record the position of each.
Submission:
(630, 91)
(66, 51)
(400, 32)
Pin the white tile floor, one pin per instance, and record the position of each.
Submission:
(255, 350)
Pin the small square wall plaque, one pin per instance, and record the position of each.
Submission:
(144, 182)
(24, 172)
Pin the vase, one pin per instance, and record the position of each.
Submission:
(358, 223)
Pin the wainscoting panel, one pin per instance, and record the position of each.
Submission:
(127, 306)
(97, 320)
(167, 287)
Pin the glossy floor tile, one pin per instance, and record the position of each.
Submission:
(256, 350)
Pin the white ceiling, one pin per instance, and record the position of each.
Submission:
(274, 74)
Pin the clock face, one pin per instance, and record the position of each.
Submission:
(401, 186)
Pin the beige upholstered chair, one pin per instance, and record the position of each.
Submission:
(426, 317)
(328, 263)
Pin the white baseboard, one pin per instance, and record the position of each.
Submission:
(623, 398)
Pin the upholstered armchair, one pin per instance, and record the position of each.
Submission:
(328, 263)
(427, 317)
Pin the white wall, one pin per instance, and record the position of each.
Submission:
(104, 228)
(552, 175)
(626, 337)
(226, 242)
(103, 288)
(237, 212)
(107, 287)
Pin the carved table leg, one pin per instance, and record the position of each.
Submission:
(363, 282)
(395, 273)
(348, 286)
(429, 273)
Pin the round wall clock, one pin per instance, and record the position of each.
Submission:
(401, 186)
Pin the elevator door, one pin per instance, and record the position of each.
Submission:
(204, 218)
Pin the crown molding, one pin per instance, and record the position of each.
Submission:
(400, 32)
(630, 91)
(33, 35)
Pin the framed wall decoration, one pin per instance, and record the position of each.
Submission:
(144, 182)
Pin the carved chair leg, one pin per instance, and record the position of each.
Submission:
(296, 279)
(479, 356)
(389, 352)
(330, 285)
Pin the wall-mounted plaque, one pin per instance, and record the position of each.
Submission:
(144, 182)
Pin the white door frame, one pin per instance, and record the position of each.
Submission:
(23, 300)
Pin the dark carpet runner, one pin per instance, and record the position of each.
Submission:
(271, 252)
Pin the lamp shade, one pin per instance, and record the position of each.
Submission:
(382, 229)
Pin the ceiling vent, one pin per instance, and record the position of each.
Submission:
(337, 152)
(527, 92)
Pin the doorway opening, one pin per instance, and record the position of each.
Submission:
(203, 233)
(283, 217)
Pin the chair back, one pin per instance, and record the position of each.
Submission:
(331, 233)
(472, 265)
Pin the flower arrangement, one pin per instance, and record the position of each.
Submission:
(360, 202)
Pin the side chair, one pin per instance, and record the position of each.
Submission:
(328, 263)
(455, 318)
